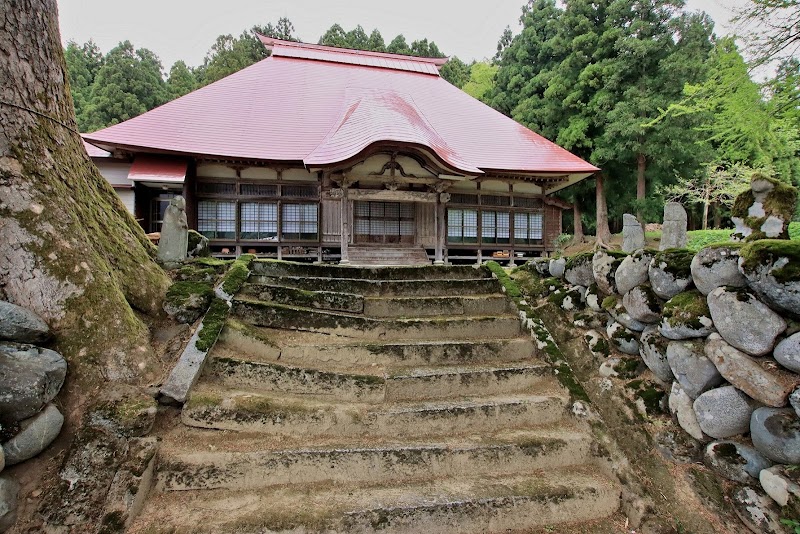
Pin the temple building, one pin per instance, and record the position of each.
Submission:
(323, 153)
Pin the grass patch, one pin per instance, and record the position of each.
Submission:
(512, 290)
(237, 274)
(212, 324)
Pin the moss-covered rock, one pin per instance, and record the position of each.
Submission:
(642, 304)
(716, 266)
(686, 316)
(604, 268)
(670, 272)
(186, 301)
(569, 298)
(765, 210)
(772, 270)
(622, 339)
(237, 274)
(198, 245)
(578, 269)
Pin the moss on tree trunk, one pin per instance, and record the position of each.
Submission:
(68, 248)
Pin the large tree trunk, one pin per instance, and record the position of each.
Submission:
(69, 250)
(603, 232)
(577, 223)
(641, 186)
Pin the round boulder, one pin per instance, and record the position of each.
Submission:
(622, 339)
(735, 461)
(569, 298)
(632, 271)
(670, 272)
(787, 352)
(715, 267)
(30, 377)
(619, 314)
(578, 269)
(21, 325)
(723, 412)
(772, 269)
(794, 401)
(776, 434)
(35, 435)
(8, 503)
(642, 304)
(653, 350)
(686, 316)
(691, 368)
(760, 378)
(604, 268)
(597, 343)
(556, 267)
(744, 321)
(681, 406)
(780, 484)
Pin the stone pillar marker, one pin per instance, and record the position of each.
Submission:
(632, 234)
(174, 241)
(345, 223)
(673, 231)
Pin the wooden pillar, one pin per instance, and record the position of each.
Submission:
(345, 226)
(441, 227)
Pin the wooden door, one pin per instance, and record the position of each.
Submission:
(383, 222)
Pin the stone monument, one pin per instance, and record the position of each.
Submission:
(174, 240)
(632, 233)
(673, 231)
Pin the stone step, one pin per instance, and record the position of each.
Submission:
(247, 411)
(316, 349)
(383, 288)
(467, 505)
(436, 306)
(522, 452)
(416, 383)
(277, 268)
(260, 313)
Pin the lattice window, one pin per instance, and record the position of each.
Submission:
(259, 220)
(495, 227)
(216, 219)
(300, 191)
(495, 200)
(259, 190)
(527, 202)
(463, 198)
(299, 222)
(462, 225)
(528, 228)
(216, 188)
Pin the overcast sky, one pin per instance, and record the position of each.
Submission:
(186, 29)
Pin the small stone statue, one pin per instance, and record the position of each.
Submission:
(673, 231)
(174, 232)
(632, 233)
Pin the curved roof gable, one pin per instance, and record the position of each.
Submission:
(300, 105)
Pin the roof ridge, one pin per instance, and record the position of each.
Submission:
(271, 42)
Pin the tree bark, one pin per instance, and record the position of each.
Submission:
(69, 250)
(603, 231)
(577, 223)
(641, 186)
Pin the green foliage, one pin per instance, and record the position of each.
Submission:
(481, 80)
(456, 72)
(358, 39)
(83, 62)
(128, 83)
(181, 81)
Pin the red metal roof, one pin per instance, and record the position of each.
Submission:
(424, 65)
(157, 169)
(95, 152)
(320, 112)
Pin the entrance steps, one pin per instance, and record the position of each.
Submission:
(344, 399)
(386, 255)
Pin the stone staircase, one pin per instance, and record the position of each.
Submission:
(387, 255)
(403, 399)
